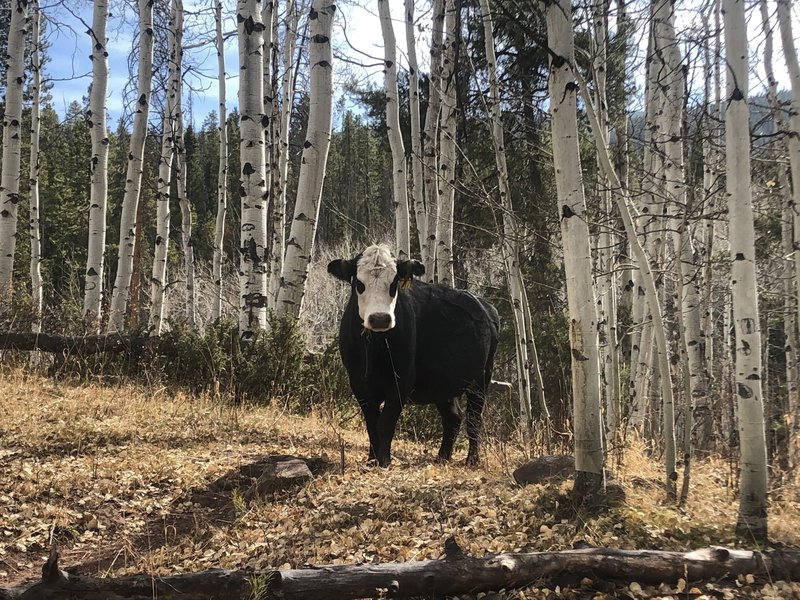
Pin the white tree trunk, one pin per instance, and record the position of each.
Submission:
(185, 203)
(252, 178)
(417, 190)
(509, 233)
(222, 168)
(98, 198)
(169, 134)
(790, 54)
(577, 252)
(281, 149)
(399, 185)
(12, 146)
(300, 247)
(268, 16)
(430, 139)
(128, 226)
(35, 210)
(752, 519)
(448, 150)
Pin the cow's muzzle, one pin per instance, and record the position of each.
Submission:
(379, 322)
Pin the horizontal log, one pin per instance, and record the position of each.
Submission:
(84, 344)
(455, 574)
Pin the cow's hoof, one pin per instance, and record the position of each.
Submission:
(472, 461)
(443, 458)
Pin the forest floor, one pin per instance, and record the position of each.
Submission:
(128, 479)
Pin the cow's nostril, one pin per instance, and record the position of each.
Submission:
(380, 321)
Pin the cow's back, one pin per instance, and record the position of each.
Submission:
(457, 335)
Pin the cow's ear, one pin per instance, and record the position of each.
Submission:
(407, 269)
(343, 269)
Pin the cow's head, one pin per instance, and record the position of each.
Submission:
(376, 277)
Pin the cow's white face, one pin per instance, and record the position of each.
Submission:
(376, 284)
(376, 277)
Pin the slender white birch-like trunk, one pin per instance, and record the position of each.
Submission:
(281, 173)
(98, 195)
(577, 253)
(417, 191)
(252, 178)
(399, 184)
(128, 226)
(448, 150)
(12, 146)
(752, 519)
(35, 209)
(268, 20)
(430, 139)
(169, 133)
(787, 240)
(222, 167)
(509, 233)
(300, 247)
(790, 55)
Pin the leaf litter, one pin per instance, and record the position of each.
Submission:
(131, 479)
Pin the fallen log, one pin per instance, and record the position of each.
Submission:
(455, 574)
(82, 344)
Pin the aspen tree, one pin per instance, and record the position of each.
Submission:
(448, 149)
(169, 134)
(752, 519)
(268, 21)
(252, 177)
(510, 235)
(300, 247)
(281, 152)
(607, 290)
(98, 195)
(430, 138)
(790, 55)
(577, 254)
(417, 191)
(399, 187)
(12, 146)
(33, 194)
(222, 168)
(130, 203)
(787, 235)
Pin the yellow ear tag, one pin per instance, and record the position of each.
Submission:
(405, 283)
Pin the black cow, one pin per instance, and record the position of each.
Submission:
(406, 341)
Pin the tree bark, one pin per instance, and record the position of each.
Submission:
(752, 519)
(222, 168)
(453, 575)
(430, 141)
(790, 55)
(98, 198)
(300, 247)
(128, 224)
(577, 254)
(252, 177)
(12, 146)
(34, 206)
(448, 149)
(417, 190)
(90, 344)
(399, 183)
(281, 152)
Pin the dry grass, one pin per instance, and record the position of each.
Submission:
(129, 479)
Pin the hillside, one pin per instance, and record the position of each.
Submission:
(131, 479)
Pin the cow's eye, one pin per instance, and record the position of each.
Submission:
(393, 288)
(360, 287)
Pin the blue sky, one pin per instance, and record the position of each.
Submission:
(70, 67)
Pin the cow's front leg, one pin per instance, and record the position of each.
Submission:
(371, 412)
(386, 426)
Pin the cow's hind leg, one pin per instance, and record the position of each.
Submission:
(475, 401)
(371, 413)
(451, 423)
